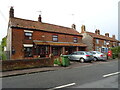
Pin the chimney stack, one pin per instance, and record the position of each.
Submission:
(107, 34)
(113, 36)
(83, 29)
(11, 12)
(73, 26)
(97, 32)
(39, 18)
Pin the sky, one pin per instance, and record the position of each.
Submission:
(94, 14)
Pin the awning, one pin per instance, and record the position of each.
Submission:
(28, 45)
(61, 44)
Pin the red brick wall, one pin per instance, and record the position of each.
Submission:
(101, 43)
(37, 35)
(18, 40)
(17, 43)
(21, 64)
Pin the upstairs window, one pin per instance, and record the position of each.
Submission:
(55, 38)
(97, 41)
(28, 35)
(75, 40)
(104, 42)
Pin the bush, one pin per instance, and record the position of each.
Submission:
(115, 52)
(57, 61)
(4, 57)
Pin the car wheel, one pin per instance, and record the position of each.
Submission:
(82, 60)
(95, 59)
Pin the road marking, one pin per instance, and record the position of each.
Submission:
(111, 74)
(62, 86)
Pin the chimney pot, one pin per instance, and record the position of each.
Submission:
(113, 36)
(39, 18)
(97, 32)
(73, 26)
(107, 34)
(11, 12)
(83, 29)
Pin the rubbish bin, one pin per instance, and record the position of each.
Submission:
(65, 60)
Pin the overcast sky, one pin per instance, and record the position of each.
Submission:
(94, 14)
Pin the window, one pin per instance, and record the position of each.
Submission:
(97, 41)
(74, 53)
(104, 42)
(75, 40)
(81, 53)
(28, 51)
(55, 51)
(55, 38)
(114, 44)
(97, 48)
(28, 35)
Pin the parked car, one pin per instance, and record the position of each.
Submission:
(98, 55)
(81, 56)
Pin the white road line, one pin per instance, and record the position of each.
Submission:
(62, 86)
(111, 74)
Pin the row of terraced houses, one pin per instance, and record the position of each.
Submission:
(27, 39)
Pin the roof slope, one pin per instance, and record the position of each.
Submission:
(101, 36)
(23, 23)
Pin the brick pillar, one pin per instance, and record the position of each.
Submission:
(63, 50)
(50, 49)
(77, 48)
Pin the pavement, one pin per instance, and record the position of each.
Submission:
(44, 69)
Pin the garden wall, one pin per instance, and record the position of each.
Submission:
(26, 63)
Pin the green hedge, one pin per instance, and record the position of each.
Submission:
(115, 52)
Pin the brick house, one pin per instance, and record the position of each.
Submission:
(98, 42)
(30, 39)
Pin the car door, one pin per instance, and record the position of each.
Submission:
(73, 56)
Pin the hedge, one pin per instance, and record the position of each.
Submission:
(115, 52)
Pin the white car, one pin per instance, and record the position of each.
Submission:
(81, 56)
(98, 55)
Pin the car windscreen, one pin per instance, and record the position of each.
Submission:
(98, 52)
(88, 53)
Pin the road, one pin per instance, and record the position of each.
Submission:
(89, 76)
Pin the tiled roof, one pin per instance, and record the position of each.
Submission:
(94, 35)
(61, 44)
(23, 23)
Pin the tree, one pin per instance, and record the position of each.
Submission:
(3, 43)
(2, 53)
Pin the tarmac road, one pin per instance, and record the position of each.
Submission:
(88, 76)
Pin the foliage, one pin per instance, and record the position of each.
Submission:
(115, 52)
(2, 53)
(57, 61)
(3, 43)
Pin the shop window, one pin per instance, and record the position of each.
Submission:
(55, 38)
(28, 35)
(28, 51)
(75, 40)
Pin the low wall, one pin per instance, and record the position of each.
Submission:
(26, 63)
